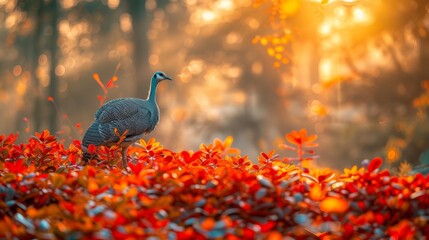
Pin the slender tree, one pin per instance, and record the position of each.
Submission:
(140, 21)
(53, 9)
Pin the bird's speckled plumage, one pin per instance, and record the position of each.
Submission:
(134, 116)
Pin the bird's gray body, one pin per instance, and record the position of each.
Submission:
(132, 116)
(129, 117)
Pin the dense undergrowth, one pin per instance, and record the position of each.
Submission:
(46, 193)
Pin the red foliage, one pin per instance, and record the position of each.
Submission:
(210, 193)
(15, 166)
(304, 144)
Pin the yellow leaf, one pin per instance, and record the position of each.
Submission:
(32, 212)
(228, 141)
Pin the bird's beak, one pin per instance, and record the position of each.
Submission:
(168, 78)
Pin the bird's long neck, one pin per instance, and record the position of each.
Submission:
(152, 90)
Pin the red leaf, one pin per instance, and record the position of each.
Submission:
(111, 82)
(375, 164)
(51, 99)
(78, 125)
(76, 143)
(16, 166)
(70, 207)
(91, 148)
(136, 168)
(100, 99)
(265, 227)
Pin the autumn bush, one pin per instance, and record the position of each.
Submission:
(46, 192)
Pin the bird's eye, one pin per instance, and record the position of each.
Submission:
(160, 76)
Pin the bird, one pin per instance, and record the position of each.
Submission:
(124, 117)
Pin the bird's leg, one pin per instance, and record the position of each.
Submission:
(124, 157)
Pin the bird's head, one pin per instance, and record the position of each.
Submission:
(159, 76)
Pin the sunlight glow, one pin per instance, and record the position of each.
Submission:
(360, 15)
(125, 23)
(153, 59)
(257, 68)
(325, 29)
(233, 38)
(321, 1)
(289, 7)
(196, 66)
(234, 72)
(150, 4)
(253, 23)
(393, 154)
(325, 69)
(225, 4)
(12, 20)
(239, 97)
(341, 12)
(113, 4)
(17, 70)
(60, 70)
(43, 59)
(317, 109)
(21, 87)
(68, 3)
(208, 16)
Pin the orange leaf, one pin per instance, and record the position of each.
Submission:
(132, 191)
(98, 80)
(334, 205)
(92, 185)
(51, 99)
(275, 236)
(120, 136)
(208, 224)
(57, 180)
(317, 193)
(310, 138)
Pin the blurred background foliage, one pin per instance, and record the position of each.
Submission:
(352, 71)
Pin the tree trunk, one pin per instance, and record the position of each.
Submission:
(140, 21)
(424, 53)
(37, 107)
(53, 86)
